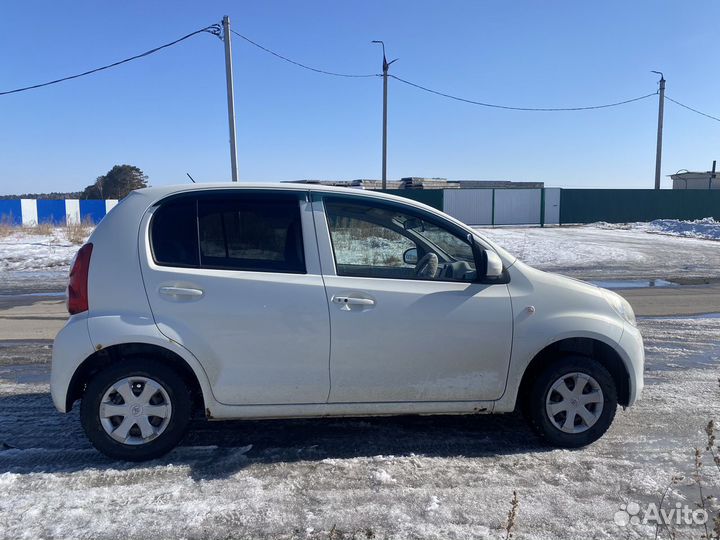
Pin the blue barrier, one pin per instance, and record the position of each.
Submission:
(92, 209)
(29, 212)
(11, 211)
(51, 211)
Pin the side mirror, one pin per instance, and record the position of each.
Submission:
(494, 267)
(410, 256)
(488, 264)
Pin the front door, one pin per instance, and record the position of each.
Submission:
(234, 278)
(409, 321)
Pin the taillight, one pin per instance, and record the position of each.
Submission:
(77, 295)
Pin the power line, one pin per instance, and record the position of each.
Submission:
(213, 29)
(545, 109)
(335, 74)
(286, 59)
(693, 110)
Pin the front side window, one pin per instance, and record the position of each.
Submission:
(257, 233)
(385, 241)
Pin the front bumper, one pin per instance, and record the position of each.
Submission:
(632, 345)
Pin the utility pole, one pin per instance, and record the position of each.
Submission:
(386, 66)
(661, 110)
(712, 175)
(230, 97)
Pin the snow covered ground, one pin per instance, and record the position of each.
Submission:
(429, 477)
(706, 228)
(666, 249)
(21, 251)
(35, 262)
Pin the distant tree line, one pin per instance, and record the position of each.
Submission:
(117, 183)
(53, 195)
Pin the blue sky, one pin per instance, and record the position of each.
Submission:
(167, 113)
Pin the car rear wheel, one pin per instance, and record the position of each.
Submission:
(573, 402)
(136, 410)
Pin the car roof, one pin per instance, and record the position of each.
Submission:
(176, 188)
(157, 193)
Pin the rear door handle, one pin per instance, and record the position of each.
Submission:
(346, 301)
(187, 292)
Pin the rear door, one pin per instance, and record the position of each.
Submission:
(403, 331)
(234, 277)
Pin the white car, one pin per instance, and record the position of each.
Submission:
(279, 301)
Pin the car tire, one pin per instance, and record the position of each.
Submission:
(136, 410)
(572, 402)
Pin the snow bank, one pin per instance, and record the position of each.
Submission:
(21, 251)
(704, 229)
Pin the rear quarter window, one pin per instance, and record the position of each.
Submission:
(173, 236)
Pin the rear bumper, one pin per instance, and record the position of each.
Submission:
(71, 347)
(632, 345)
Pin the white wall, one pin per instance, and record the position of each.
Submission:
(471, 206)
(517, 206)
(510, 206)
(72, 211)
(552, 206)
(28, 211)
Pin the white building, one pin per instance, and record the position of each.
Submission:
(695, 180)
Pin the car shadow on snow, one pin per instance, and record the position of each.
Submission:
(35, 438)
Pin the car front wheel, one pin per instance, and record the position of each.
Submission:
(135, 410)
(572, 402)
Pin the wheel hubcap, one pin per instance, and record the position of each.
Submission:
(135, 410)
(574, 403)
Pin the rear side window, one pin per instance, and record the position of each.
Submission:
(253, 232)
(174, 236)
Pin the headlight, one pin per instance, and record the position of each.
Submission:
(621, 306)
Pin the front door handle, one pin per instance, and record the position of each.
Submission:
(188, 292)
(346, 301)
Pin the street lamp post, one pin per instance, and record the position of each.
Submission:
(230, 97)
(385, 68)
(661, 111)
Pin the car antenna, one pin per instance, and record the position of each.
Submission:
(191, 178)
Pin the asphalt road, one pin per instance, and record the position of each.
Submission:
(674, 301)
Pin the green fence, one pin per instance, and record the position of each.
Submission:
(628, 205)
(431, 197)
